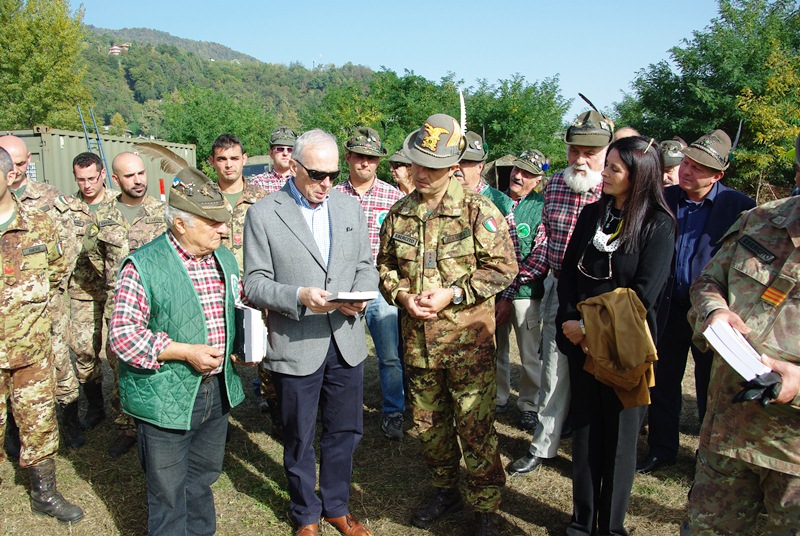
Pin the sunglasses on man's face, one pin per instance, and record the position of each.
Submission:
(283, 149)
(319, 176)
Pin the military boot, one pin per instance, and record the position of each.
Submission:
(45, 498)
(71, 426)
(12, 444)
(96, 411)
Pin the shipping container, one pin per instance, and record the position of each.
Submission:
(52, 152)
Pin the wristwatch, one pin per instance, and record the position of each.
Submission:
(458, 295)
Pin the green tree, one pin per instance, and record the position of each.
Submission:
(118, 125)
(42, 70)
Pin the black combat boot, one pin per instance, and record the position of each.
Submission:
(444, 501)
(45, 498)
(71, 426)
(12, 444)
(485, 524)
(96, 411)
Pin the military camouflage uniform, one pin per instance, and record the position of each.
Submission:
(49, 200)
(33, 268)
(450, 361)
(749, 456)
(110, 239)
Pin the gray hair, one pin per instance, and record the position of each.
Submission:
(170, 213)
(313, 138)
(6, 162)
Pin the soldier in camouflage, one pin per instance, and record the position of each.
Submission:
(444, 253)
(119, 227)
(749, 455)
(33, 268)
(48, 199)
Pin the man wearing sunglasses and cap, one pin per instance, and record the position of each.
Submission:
(704, 209)
(302, 244)
(445, 252)
(281, 145)
(172, 330)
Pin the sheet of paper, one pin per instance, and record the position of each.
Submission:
(735, 350)
(255, 333)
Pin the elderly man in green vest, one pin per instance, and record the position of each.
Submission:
(172, 330)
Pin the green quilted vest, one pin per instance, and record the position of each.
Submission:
(503, 203)
(166, 397)
(528, 216)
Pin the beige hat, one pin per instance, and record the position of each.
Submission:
(438, 144)
(193, 192)
(711, 150)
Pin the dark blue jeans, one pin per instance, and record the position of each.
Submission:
(181, 465)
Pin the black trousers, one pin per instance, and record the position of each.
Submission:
(603, 455)
(666, 397)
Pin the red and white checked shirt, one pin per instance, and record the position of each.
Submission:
(559, 215)
(272, 181)
(129, 337)
(376, 203)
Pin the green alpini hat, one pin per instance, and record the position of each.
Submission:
(438, 144)
(590, 129)
(365, 141)
(193, 192)
(532, 161)
(711, 150)
(282, 136)
(475, 151)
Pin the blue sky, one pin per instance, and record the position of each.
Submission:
(595, 47)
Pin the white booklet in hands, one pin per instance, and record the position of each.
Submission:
(255, 333)
(352, 297)
(735, 350)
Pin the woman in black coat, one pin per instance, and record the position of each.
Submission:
(624, 240)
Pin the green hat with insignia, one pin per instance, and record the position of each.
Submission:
(193, 192)
(475, 151)
(365, 141)
(711, 150)
(672, 153)
(282, 136)
(532, 161)
(438, 144)
(399, 157)
(590, 129)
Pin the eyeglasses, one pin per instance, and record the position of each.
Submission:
(287, 150)
(319, 176)
(583, 270)
(90, 180)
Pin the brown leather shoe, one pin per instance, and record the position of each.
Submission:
(348, 526)
(308, 530)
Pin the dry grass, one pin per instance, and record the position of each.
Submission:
(389, 479)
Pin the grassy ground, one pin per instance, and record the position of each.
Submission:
(389, 479)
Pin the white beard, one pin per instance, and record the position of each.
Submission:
(582, 179)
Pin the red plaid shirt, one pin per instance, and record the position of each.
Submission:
(129, 337)
(559, 215)
(376, 203)
(271, 181)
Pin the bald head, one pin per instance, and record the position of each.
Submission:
(18, 151)
(625, 132)
(129, 175)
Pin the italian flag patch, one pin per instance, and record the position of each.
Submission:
(490, 224)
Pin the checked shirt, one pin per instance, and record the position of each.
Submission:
(376, 203)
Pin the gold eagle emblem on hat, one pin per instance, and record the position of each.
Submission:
(432, 137)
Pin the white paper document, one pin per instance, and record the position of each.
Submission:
(255, 333)
(350, 297)
(735, 350)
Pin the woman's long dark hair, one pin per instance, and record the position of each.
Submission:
(645, 173)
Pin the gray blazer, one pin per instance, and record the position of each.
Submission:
(280, 256)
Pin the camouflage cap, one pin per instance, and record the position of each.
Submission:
(711, 150)
(399, 157)
(438, 144)
(475, 151)
(282, 136)
(193, 192)
(532, 161)
(671, 153)
(365, 141)
(590, 129)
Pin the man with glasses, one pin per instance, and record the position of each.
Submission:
(399, 167)
(281, 145)
(704, 209)
(363, 151)
(48, 199)
(303, 244)
(565, 195)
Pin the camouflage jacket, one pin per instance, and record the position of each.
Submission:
(33, 267)
(234, 239)
(755, 274)
(465, 243)
(48, 199)
(111, 238)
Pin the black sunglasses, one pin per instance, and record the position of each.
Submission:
(319, 176)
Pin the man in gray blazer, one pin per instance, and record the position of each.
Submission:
(302, 244)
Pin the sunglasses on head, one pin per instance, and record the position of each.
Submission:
(319, 176)
(283, 149)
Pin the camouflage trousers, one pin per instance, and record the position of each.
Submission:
(67, 389)
(122, 421)
(728, 495)
(30, 390)
(86, 338)
(466, 395)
